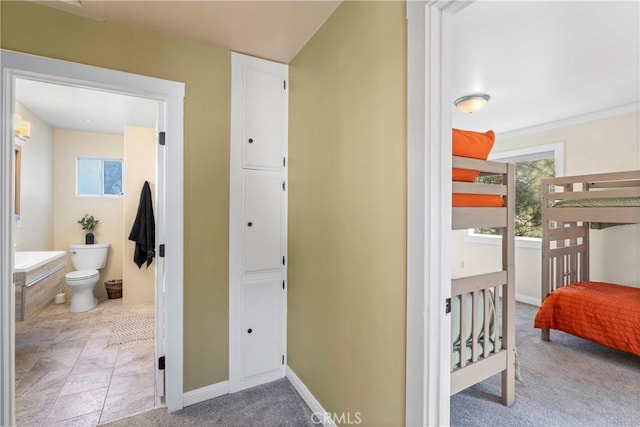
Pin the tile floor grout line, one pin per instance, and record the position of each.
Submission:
(46, 417)
(66, 379)
(106, 396)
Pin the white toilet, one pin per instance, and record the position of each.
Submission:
(87, 260)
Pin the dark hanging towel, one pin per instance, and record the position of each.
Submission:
(143, 231)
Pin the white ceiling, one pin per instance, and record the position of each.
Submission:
(540, 61)
(67, 107)
(545, 61)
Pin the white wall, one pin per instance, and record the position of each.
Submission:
(606, 145)
(69, 208)
(138, 285)
(34, 229)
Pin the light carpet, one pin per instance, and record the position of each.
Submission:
(132, 328)
(565, 382)
(268, 405)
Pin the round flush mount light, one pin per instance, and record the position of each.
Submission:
(472, 103)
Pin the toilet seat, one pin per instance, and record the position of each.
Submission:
(81, 275)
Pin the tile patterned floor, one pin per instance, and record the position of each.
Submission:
(65, 375)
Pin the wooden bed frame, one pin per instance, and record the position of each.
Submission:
(565, 230)
(486, 362)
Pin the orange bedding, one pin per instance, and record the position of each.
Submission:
(477, 200)
(600, 312)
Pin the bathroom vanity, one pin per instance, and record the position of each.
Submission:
(38, 277)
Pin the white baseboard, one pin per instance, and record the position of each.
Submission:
(309, 399)
(528, 300)
(205, 393)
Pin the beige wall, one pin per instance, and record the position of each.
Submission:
(139, 166)
(34, 229)
(69, 145)
(598, 146)
(206, 70)
(347, 212)
(605, 145)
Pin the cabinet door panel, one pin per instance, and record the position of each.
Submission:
(264, 125)
(262, 222)
(262, 316)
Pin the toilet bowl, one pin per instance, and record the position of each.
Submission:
(87, 260)
(81, 284)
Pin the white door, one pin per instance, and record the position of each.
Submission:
(257, 222)
(262, 212)
(261, 331)
(160, 260)
(263, 126)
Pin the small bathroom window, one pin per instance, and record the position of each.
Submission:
(99, 177)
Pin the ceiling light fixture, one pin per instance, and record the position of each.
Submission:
(471, 103)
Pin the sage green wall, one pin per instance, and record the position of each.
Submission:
(39, 30)
(347, 212)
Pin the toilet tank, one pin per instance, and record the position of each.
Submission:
(89, 257)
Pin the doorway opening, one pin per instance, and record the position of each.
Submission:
(168, 98)
(88, 356)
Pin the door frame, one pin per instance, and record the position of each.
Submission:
(429, 210)
(19, 65)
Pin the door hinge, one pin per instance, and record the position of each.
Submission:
(283, 260)
(161, 250)
(283, 359)
(447, 306)
(161, 138)
(284, 84)
(283, 284)
(284, 161)
(161, 363)
(284, 186)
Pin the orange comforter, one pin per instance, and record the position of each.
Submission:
(600, 312)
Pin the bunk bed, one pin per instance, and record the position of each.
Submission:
(483, 306)
(605, 313)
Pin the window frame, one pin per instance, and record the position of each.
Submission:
(102, 160)
(557, 148)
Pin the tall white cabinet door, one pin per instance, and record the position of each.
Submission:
(257, 222)
(261, 319)
(262, 212)
(264, 122)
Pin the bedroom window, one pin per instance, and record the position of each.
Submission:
(532, 165)
(99, 177)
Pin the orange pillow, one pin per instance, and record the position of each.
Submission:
(476, 145)
(476, 200)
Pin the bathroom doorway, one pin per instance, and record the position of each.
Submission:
(167, 96)
(85, 154)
